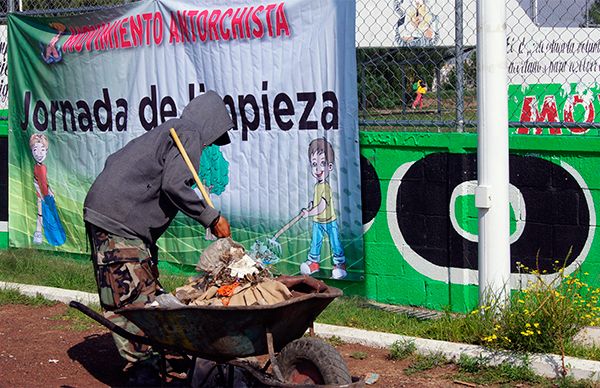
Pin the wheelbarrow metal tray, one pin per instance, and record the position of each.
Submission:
(224, 333)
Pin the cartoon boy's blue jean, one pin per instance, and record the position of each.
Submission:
(318, 233)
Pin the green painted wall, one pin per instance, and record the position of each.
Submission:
(390, 278)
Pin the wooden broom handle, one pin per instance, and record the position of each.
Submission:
(191, 167)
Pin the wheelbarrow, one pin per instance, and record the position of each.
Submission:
(227, 335)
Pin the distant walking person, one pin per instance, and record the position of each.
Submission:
(420, 88)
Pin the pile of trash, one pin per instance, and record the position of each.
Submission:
(231, 278)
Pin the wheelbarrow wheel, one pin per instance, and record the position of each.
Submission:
(312, 361)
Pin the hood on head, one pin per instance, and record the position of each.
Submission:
(207, 115)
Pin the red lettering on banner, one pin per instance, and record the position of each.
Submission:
(183, 27)
(282, 23)
(68, 45)
(173, 30)
(268, 10)
(136, 25)
(158, 28)
(201, 22)
(105, 37)
(237, 23)
(79, 41)
(225, 33)
(192, 15)
(212, 24)
(123, 41)
(259, 31)
(247, 22)
(92, 33)
(147, 18)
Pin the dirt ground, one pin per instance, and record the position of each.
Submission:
(38, 349)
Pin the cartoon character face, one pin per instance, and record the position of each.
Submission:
(39, 152)
(319, 167)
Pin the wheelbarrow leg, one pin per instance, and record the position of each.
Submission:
(163, 366)
(230, 375)
(271, 349)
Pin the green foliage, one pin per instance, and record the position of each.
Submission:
(334, 341)
(545, 315)
(214, 170)
(594, 13)
(13, 296)
(475, 370)
(73, 319)
(470, 364)
(402, 349)
(359, 355)
(386, 75)
(47, 269)
(426, 362)
(58, 269)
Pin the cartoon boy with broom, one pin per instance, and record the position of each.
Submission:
(47, 215)
(321, 158)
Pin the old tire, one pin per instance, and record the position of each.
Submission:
(312, 361)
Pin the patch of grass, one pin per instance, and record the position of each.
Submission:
(359, 355)
(13, 296)
(426, 362)
(46, 268)
(56, 269)
(591, 352)
(75, 320)
(475, 371)
(402, 349)
(334, 341)
(470, 364)
(570, 382)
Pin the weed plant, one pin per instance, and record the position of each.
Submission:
(543, 317)
(400, 350)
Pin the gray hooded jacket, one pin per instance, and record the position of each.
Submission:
(145, 183)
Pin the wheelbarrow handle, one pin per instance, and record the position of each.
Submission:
(110, 325)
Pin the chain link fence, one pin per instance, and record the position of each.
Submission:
(416, 61)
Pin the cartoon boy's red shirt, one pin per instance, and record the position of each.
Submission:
(39, 173)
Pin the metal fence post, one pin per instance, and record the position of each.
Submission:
(460, 70)
(404, 93)
(11, 6)
(438, 93)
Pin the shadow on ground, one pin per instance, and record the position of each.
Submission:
(99, 356)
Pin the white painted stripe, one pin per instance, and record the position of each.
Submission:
(3, 226)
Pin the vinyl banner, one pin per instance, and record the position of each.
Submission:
(82, 87)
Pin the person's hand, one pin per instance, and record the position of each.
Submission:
(304, 213)
(221, 228)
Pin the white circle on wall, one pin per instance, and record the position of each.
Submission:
(517, 203)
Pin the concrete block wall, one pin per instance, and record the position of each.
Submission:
(421, 223)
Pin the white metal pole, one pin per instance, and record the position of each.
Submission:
(491, 194)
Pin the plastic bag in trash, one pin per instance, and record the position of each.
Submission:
(217, 255)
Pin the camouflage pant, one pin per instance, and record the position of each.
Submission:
(126, 276)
